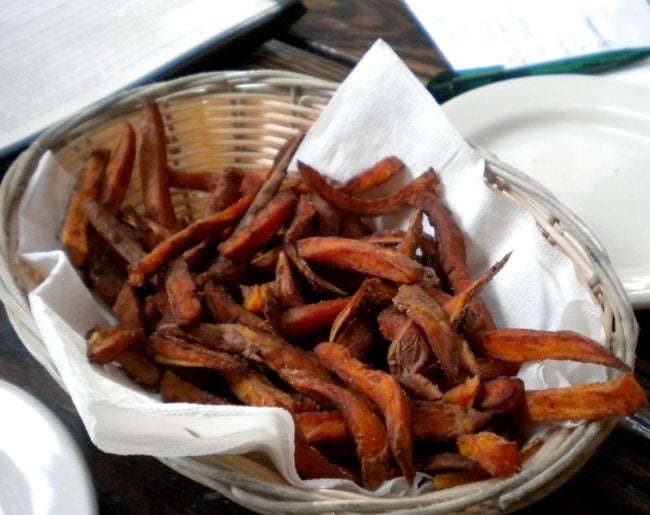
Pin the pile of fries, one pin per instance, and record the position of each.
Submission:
(282, 294)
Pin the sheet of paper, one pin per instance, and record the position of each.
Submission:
(511, 33)
(60, 56)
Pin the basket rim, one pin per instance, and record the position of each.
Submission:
(15, 299)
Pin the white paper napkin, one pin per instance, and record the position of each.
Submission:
(380, 110)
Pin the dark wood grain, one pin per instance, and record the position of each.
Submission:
(344, 30)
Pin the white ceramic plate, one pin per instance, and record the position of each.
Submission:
(587, 139)
(42, 470)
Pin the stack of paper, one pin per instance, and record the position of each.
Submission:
(62, 55)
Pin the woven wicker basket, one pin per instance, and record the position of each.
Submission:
(217, 119)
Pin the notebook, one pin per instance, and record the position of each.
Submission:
(60, 56)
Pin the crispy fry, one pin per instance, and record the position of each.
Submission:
(492, 452)
(465, 393)
(384, 391)
(174, 389)
(411, 241)
(182, 240)
(379, 173)
(140, 369)
(457, 306)
(224, 309)
(373, 293)
(318, 283)
(272, 185)
(272, 351)
(286, 285)
(452, 479)
(261, 228)
(369, 434)
(521, 345)
(361, 257)
(366, 207)
(74, 233)
(174, 351)
(430, 317)
(451, 253)
(358, 337)
(153, 168)
(618, 398)
(439, 421)
(418, 386)
(502, 395)
(323, 427)
(302, 320)
(115, 234)
(118, 172)
(184, 303)
(225, 191)
(409, 351)
(302, 224)
(104, 345)
(445, 462)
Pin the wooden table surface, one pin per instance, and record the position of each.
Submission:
(326, 41)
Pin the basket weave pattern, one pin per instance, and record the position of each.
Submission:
(242, 118)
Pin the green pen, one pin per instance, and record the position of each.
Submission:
(448, 84)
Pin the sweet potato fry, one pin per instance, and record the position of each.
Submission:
(411, 241)
(369, 434)
(432, 320)
(118, 172)
(287, 287)
(445, 462)
(373, 294)
(521, 345)
(457, 306)
(618, 398)
(361, 257)
(272, 351)
(319, 284)
(409, 351)
(74, 233)
(306, 319)
(418, 386)
(465, 393)
(439, 421)
(384, 391)
(114, 233)
(243, 243)
(225, 191)
(452, 254)
(358, 337)
(184, 303)
(272, 185)
(323, 427)
(224, 309)
(129, 308)
(379, 173)
(302, 224)
(175, 389)
(366, 207)
(492, 452)
(153, 168)
(386, 238)
(140, 369)
(502, 395)
(180, 353)
(182, 240)
(463, 477)
(104, 345)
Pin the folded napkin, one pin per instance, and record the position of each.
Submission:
(381, 109)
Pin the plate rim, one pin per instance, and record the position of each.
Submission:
(75, 468)
(560, 92)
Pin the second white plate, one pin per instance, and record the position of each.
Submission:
(587, 139)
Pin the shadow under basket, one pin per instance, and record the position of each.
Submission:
(242, 119)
